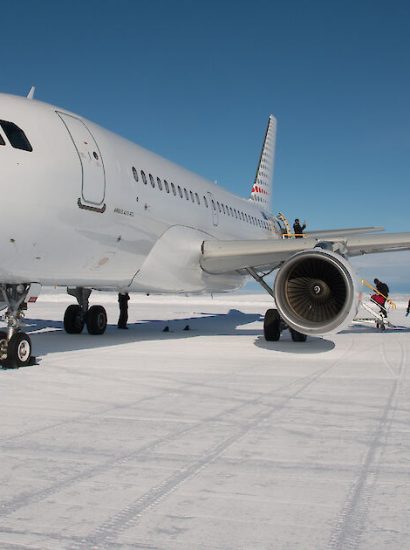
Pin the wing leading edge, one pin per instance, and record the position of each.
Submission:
(225, 256)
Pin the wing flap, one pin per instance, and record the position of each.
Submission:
(226, 256)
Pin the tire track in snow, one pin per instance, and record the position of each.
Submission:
(121, 520)
(131, 514)
(352, 518)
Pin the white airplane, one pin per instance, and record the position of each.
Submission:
(88, 210)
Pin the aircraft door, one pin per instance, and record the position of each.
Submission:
(213, 207)
(93, 172)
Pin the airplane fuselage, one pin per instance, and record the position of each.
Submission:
(87, 208)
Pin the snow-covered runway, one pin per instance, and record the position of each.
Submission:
(204, 438)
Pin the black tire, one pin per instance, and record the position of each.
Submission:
(96, 320)
(271, 325)
(19, 350)
(3, 346)
(73, 319)
(297, 336)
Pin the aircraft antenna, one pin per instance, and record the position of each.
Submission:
(30, 95)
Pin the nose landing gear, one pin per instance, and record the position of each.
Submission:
(15, 346)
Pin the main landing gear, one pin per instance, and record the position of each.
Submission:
(79, 315)
(15, 346)
(273, 324)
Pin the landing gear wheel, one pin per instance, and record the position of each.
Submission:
(3, 346)
(19, 350)
(297, 336)
(73, 319)
(96, 320)
(271, 325)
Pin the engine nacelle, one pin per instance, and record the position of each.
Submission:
(315, 292)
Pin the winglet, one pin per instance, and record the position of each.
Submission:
(262, 187)
(30, 95)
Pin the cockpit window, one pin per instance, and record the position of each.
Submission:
(2, 140)
(16, 136)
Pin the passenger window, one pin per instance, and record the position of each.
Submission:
(219, 206)
(151, 179)
(197, 198)
(173, 189)
(135, 173)
(180, 191)
(144, 177)
(166, 186)
(205, 202)
(213, 204)
(16, 136)
(223, 208)
(159, 183)
(192, 196)
(186, 194)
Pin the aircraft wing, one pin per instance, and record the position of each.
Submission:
(226, 256)
(333, 233)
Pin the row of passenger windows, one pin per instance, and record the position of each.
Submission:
(15, 135)
(183, 192)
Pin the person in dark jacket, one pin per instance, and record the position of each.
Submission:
(123, 298)
(380, 299)
(408, 309)
(298, 228)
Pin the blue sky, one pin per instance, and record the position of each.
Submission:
(195, 81)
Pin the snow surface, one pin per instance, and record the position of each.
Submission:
(210, 438)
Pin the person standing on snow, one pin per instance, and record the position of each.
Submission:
(123, 298)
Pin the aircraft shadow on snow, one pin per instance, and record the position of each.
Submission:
(48, 336)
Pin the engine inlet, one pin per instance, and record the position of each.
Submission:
(314, 291)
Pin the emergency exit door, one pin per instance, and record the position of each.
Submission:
(92, 166)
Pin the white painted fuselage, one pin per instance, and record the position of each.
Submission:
(76, 211)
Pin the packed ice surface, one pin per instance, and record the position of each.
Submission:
(208, 438)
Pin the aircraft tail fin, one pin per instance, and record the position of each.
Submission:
(262, 187)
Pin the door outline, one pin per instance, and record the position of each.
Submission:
(95, 170)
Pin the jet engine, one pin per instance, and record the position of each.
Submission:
(315, 292)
